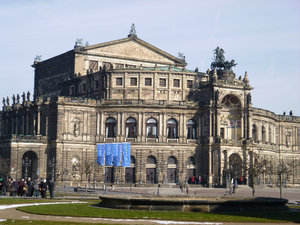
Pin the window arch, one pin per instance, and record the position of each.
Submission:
(151, 160)
(191, 129)
(110, 128)
(172, 160)
(254, 133)
(231, 101)
(171, 128)
(151, 127)
(131, 128)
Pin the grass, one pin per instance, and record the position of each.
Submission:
(85, 210)
(39, 222)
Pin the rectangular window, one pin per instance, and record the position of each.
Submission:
(162, 82)
(93, 65)
(119, 81)
(148, 81)
(133, 81)
(222, 133)
(176, 83)
(189, 84)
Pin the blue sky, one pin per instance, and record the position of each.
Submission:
(262, 36)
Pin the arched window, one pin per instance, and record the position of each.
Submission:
(270, 135)
(172, 128)
(263, 134)
(231, 101)
(131, 128)
(151, 160)
(110, 126)
(254, 133)
(191, 129)
(151, 128)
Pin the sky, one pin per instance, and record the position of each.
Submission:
(262, 36)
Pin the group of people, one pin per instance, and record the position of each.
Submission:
(26, 187)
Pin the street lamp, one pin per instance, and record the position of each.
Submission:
(26, 163)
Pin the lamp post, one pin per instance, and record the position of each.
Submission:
(52, 165)
(26, 163)
(105, 179)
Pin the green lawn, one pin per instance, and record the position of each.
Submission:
(85, 210)
(38, 222)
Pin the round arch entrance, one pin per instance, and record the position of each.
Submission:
(171, 171)
(235, 165)
(29, 165)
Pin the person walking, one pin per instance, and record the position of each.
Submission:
(51, 185)
(43, 188)
(36, 188)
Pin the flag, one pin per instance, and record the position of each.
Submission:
(116, 154)
(108, 155)
(101, 154)
(126, 154)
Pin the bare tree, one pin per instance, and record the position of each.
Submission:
(284, 171)
(4, 167)
(82, 169)
(257, 165)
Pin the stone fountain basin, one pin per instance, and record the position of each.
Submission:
(193, 204)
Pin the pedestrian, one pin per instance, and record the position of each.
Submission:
(25, 188)
(15, 187)
(9, 187)
(1, 185)
(20, 187)
(187, 189)
(51, 185)
(43, 188)
(35, 188)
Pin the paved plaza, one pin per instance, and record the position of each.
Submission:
(292, 194)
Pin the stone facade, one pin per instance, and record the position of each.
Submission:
(180, 123)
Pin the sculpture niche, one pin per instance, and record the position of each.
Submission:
(223, 67)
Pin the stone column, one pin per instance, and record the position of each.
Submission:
(209, 165)
(38, 122)
(142, 125)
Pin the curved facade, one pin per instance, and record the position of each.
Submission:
(182, 125)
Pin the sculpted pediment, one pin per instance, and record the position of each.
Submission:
(133, 49)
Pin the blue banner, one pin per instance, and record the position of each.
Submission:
(108, 155)
(101, 154)
(117, 154)
(126, 154)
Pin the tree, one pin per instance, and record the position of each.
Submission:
(256, 166)
(219, 60)
(82, 169)
(4, 167)
(284, 170)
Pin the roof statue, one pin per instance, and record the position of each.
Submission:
(132, 32)
(219, 60)
(37, 58)
(3, 102)
(78, 43)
